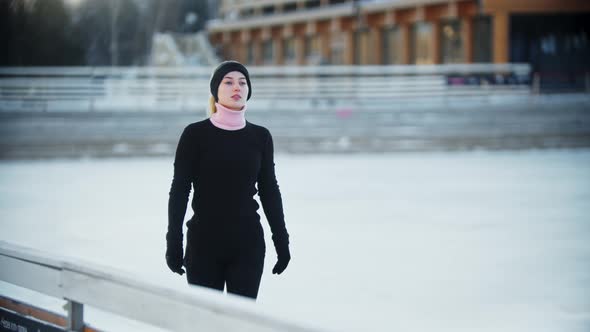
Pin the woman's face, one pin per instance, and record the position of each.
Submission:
(233, 91)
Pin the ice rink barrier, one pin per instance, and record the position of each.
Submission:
(82, 283)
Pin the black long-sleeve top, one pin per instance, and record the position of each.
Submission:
(224, 167)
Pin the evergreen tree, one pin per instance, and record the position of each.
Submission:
(95, 33)
(37, 33)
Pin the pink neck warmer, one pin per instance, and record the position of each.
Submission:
(228, 119)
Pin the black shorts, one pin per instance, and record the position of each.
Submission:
(226, 256)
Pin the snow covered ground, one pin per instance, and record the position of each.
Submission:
(462, 241)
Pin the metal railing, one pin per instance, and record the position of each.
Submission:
(80, 283)
(306, 87)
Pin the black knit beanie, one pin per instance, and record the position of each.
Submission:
(224, 68)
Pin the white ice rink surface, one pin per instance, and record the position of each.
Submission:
(462, 241)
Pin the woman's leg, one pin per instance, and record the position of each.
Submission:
(204, 267)
(245, 271)
(206, 272)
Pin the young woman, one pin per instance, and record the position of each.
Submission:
(224, 157)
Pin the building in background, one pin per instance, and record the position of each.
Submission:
(552, 35)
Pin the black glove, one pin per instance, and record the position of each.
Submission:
(174, 258)
(283, 255)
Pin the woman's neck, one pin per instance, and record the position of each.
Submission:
(228, 119)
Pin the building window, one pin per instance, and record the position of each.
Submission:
(290, 7)
(361, 48)
(451, 42)
(289, 51)
(393, 46)
(268, 10)
(482, 39)
(313, 52)
(312, 4)
(267, 52)
(247, 13)
(421, 46)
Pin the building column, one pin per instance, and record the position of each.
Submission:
(244, 41)
(277, 44)
(325, 45)
(467, 39)
(500, 37)
(376, 37)
(257, 45)
(241, 53)
(435, 42)
(226, 45)
(405, 34)
(349, 45)
(300, 50)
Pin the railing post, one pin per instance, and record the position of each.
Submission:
(75, 319)
(536, 83)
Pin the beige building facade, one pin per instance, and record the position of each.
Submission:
(347, 32)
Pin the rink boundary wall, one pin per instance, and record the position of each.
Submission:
(82, 283)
